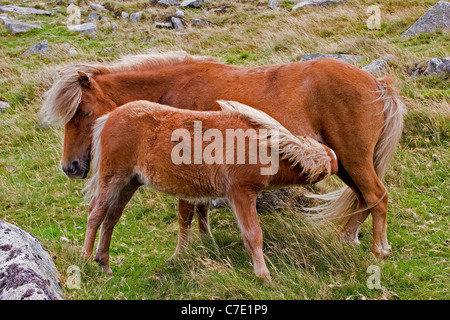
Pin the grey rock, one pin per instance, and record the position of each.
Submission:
(98, 7)
(350, 58)
(27, 271)
(125, 15)
(192, 3)
(72, 51)
(437, 67)
(93, 17)
(22, 10)
(108, 49)
(438, 17)
(316, 3)
(201, 23)
(4, 105)
(85, 28)
(177, 23)
(273, 4)
(136, 16)
(17, 26)
(377, 67)
(179, 13)
(164, 25)
(168, 3)
(40, 47)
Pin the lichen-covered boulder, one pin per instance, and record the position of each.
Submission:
(27, 271)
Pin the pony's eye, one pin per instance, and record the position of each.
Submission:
(87, 113)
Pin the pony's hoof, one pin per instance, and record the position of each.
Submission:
(381, 251)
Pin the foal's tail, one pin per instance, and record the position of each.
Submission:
(341, 204)
(304, 152)
(91, 187)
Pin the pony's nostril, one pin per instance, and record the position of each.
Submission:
(75, 166)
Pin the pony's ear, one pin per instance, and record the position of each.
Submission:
(84, 78)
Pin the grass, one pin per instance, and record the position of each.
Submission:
(306, 262)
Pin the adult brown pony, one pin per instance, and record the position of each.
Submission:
(135, 145)
(357, 115)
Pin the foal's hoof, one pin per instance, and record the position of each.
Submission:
(107, 270)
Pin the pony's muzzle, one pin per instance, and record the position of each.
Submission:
(75, 170)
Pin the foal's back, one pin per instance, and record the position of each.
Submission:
(137, 142)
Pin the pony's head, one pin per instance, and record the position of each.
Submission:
(75, 101)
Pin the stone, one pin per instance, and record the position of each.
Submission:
(377, 67)
(136, 16)
(164, 25)
(437, 17)
(125, 15)
(316, 3)
(350, 58)
(179, 13)
(72, 51)
(22, 10)
(98, 7)
(27, 271)
(437, 67)
(17, 26)
(93, 17)
(273, 4)
(177, 23)
(85, 28)
(192, 3)
(4, 105)
(168, 3)
(40, 47)
(108, 49)
(201, 23)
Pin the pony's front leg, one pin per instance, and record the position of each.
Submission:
(115, 205)
(244, 206)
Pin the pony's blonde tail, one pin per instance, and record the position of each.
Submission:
(304, 152)
(340, 205)
(90, 190)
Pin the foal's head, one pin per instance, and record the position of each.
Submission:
(76, 100)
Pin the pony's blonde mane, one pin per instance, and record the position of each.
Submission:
(64, 97)
(301, 151)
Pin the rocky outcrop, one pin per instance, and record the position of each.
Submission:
(350, 58)
(22, 10)
(438, 17)
(310, 3)
(17, 26)
(27, 271)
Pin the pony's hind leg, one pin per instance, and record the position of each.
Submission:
(244, 206)
(375, 196)
(114, 208)
(350, 229)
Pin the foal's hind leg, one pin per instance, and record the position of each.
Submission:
(203, 220)
(185, 214)
(244, 206)
(113, 212)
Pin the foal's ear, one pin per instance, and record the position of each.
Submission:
(84, 78)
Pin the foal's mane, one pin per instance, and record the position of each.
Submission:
(64, 97)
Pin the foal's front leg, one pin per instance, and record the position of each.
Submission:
(115, 206)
